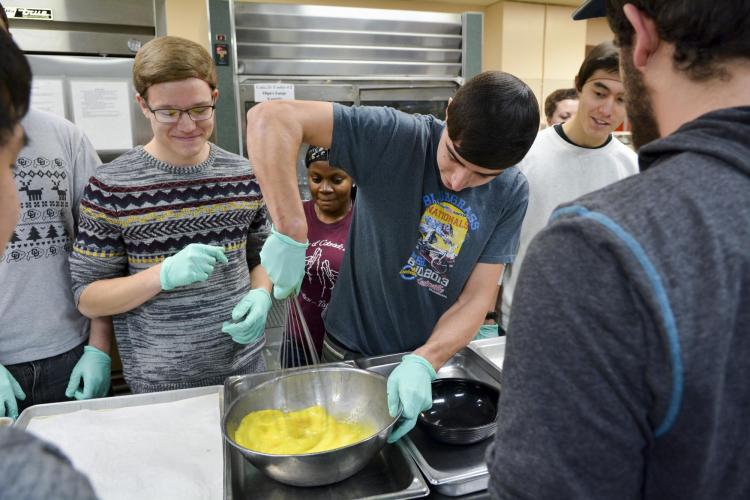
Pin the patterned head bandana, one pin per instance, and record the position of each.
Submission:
(314, 153)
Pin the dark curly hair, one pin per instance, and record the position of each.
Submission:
(705, 33)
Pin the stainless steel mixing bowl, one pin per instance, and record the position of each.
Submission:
(348, 394)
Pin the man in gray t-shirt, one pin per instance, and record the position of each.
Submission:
(43, 334)
(439, 208)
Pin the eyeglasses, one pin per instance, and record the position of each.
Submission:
(170, 115)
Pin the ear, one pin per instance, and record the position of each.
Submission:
(142, 104)
(215, 95)
(646, 39)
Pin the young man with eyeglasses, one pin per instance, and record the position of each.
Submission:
(170, 235)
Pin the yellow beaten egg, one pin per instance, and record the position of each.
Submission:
(304, 431)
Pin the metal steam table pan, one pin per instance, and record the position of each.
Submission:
(452, 470)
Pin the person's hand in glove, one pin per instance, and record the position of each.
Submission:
(284, 261)
(10, 390)
(193, 263)
(254, 309)
(487, 332)
(93, 370)
(410, 387)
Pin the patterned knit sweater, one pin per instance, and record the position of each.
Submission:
(136, 212)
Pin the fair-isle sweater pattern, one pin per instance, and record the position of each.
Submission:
(135, 212)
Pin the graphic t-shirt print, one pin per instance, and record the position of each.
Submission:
(443, 227)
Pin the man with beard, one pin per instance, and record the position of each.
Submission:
(626, 367)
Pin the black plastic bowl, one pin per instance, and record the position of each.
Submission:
(463, 411)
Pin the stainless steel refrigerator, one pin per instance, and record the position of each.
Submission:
(81, 54)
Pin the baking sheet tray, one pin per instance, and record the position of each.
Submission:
(139, 473)
(391, 475)
(452, 470)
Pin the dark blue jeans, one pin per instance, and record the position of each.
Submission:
(45, 380)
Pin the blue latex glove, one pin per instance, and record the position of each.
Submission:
(94, 371)
(193, 263)
(284, 261)
(410, 387)
(254, 308)
(487, 332)
(10, 390)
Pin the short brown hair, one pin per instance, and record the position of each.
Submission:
(603, 56)
(550, 104)
(171, 58)
(493, 120)
(705, 34)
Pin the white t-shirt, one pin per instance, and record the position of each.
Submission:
(558, 172)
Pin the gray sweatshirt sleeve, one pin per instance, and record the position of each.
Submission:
(581, 372)
(35, 470)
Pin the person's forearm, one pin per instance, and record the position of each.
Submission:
(273, 140)
(118, 295)
(259, 279)
(100, 334)
(453, 331)
(458, 325)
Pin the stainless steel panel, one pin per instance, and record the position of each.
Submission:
(78, 42)
(344, 18)
(365, 25)
(130, 12)
(361, 69)
(304, 40)
(305, 91)
(334, 52)
(452, 470)
(391, 475)
(329, 37)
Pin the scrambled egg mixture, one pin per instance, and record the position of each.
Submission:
(304, 431)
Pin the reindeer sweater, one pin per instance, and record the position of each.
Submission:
(136, 212)
(38, 317)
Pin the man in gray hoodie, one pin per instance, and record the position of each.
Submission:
(625, 371)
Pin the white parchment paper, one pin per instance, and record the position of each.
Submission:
(158, 451)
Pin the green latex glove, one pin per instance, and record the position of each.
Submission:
(193, 263)
(284, 261)
(254, 308)
(410, 387)
(10, 390)
(487, 332)
(94, 371)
